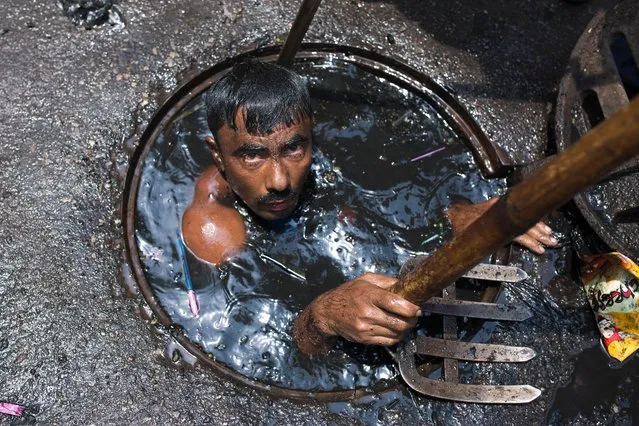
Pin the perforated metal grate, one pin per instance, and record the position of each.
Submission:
(602, 76)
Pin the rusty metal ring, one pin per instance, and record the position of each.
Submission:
(490, 159)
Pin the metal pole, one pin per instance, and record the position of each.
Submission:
(298, 30)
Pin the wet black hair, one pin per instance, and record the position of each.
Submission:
(270, 95)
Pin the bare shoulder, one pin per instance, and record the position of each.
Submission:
(211, 186)
(212, 228)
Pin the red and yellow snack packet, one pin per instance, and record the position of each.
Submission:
(611, 282)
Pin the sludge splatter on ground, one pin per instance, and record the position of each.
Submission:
(90, 13)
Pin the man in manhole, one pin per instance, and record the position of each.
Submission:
(261, 119)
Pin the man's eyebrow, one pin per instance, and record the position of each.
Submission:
(249, 148)
(295, 140)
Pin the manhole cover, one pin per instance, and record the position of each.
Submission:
(602, 76)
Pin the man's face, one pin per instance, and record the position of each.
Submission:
(266, 172)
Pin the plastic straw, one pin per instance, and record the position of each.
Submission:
(195, 307)
(428, 154)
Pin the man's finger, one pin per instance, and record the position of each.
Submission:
(538, 232)
(394, 304)
(371, 332)
(543, 228)
(545, 234)
(396, 323)
(530, 243)
(380, 340)
(382, 281)
(535, 233)
(374, 330)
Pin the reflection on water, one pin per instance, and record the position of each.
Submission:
(369, 207)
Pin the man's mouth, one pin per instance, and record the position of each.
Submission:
(280, 205)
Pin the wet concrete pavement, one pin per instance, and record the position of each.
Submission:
(73, 348)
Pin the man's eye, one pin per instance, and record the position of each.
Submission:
(295, 149)
(251, 158)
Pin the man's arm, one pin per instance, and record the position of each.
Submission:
(212, 228)
(361, 310)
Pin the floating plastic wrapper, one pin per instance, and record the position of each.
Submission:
(611, 282)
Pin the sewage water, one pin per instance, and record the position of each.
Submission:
(367, 208)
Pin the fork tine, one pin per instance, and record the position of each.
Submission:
(489, 311)
(474, 352)
(484, 394)
(478, 394)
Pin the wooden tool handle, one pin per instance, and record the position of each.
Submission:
(298, 30)
(602, 149)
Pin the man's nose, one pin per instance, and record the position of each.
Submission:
(278, 179)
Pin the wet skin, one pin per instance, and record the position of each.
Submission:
(267, 172)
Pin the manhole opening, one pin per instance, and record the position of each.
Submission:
(626, 64)
(592, 107)
(375, 120)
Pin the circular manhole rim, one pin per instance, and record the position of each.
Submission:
(491, 160)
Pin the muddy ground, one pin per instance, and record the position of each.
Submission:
(73, 348)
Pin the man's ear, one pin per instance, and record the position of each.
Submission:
(217, 155)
